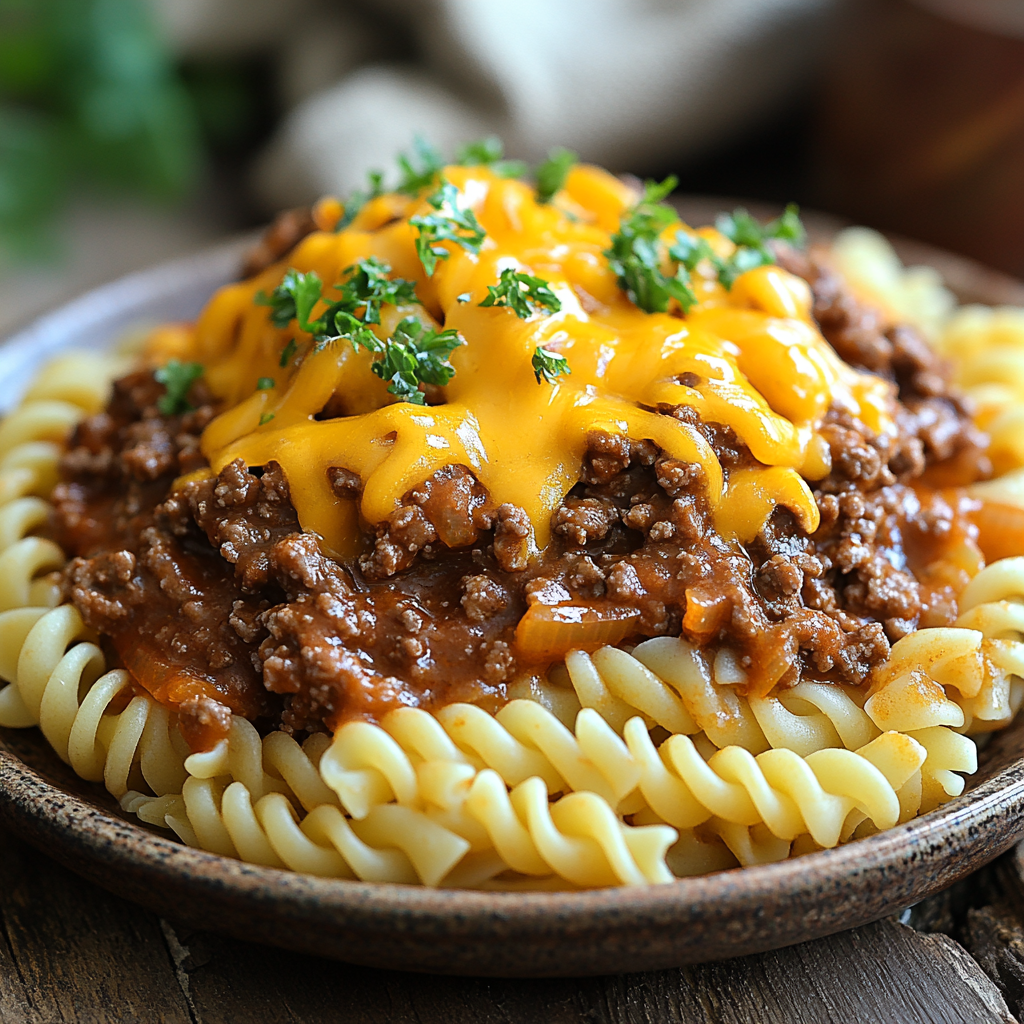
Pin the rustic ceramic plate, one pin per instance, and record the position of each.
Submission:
(454, 932)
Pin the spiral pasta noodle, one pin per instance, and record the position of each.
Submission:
(986, 347)
(56, 675)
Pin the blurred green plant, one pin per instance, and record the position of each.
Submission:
(88, 94)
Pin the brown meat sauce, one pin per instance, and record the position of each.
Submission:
(217, 602)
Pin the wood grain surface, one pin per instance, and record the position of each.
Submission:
(72, 952)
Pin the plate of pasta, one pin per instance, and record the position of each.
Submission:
(501, 573)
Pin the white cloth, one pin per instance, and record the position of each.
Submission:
(633, 84)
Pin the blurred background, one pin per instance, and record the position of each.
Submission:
(136, 130)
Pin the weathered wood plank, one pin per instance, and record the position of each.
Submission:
(71, 952)
(882, 973)
(994, 937)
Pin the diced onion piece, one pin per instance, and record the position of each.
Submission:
(167, 683)
(1000, 529)
(548, 632)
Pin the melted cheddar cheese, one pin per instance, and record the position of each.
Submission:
(750, 358)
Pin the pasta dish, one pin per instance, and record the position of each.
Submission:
(505, 531)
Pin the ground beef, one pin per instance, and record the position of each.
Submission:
(211, 591)
(933, 412)
(163, 599)
(285, 232)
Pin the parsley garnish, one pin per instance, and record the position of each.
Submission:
(360, 198)
(415, 179)
(742, 229)
(289, 350)
(293, 299)
(750, 239)
(415, 354)
(522, 293)
(450, 223)
(368, 286)
(266, 418)
(490, 153)
(177, 379)
(264, 383)
(689, 250)
(636, 253)
(552, 173)
(363, 292)
(549, 365)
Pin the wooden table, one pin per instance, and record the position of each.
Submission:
(73, 952)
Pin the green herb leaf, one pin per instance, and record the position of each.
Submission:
(636, 253)
(743, 259)
(289, 350)
(293, 299)
(364, 290)
(788, 227)
(177, 379)
(740, 228)
(266, 418)
(359, 199)
(549, 366)
(522, 293)
(689, 250)
(751, 241)
(416, 354)
(338, 323)
(552, 173)
(264, 383)
(489, 152)
(368, 286)
(450, 223)
(414, 179)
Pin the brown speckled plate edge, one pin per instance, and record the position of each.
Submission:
(457, 932)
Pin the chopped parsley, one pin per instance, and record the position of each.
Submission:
(177, 378)
(743, 230)
(293, 299)
(636, 253)
(449, 223)
(522, 293)
(366, 288)
(751, 241)
(264, 383)
(415, 354)
(689, 250)
(490, 152)
(266, 418)
(549, 366)
(360, 198)
(286, 354)
(552, 173)
(415, 178)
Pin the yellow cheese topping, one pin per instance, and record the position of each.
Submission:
(750, 358)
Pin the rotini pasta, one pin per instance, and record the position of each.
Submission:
(477, 692)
